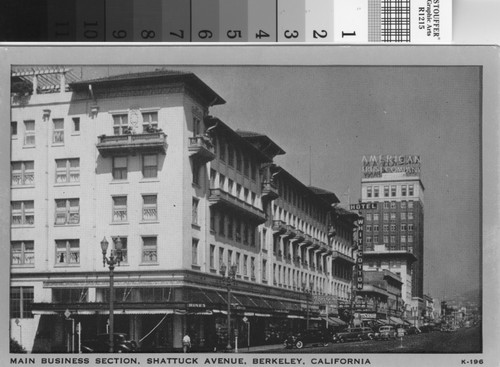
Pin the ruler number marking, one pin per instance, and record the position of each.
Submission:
(88, 30)
(291, 34)
(178, 35)
(119, 34)
(145, 34)
(261, 34)
(233, 34)
(323, 34)
(204, 33)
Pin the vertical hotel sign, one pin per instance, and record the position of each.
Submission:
(359, 258)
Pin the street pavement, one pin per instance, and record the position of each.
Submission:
(464, 340)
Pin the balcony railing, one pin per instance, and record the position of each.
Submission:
(132, 143)
(279, 226)
(269, 190)
(220, 197)
(201, 148)
(336, 255)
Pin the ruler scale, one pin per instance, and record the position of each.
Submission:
(302, 21)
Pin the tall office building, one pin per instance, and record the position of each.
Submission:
(394, 231)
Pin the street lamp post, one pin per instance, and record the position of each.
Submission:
(229, 279)
(113, 259)
(307, 292)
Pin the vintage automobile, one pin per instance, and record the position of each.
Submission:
(100, 344)
(307, 337)
(357, 333)
(386, 332)
(413, 330)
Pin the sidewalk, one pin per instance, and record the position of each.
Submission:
(260, 348)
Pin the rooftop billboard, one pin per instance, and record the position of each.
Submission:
(375, 165)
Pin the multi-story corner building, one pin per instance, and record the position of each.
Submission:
(393, 232)
(137, 161)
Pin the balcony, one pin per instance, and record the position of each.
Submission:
(201, 149)
(340, 256)
(132, 144)
(269, 191)
(279, 227)
(299, 236)
(224, 199)
(307, 240)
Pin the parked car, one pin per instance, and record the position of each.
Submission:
(100, 344)
(413, 330)
(428, 328)
(307, 337)
(386, 332)
(357, 333)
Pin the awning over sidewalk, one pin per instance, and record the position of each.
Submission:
(396, 320)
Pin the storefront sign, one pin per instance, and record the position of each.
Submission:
(368, 315)
(376, 165)
(197, 305)
(325, 299)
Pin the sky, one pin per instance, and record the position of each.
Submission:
(332, 116)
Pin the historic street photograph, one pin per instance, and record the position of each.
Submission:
(245, 209)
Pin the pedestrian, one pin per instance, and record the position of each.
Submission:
(186, 342)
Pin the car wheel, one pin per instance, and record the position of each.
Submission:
(299, 344)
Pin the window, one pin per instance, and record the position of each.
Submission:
(119, 208)
(194, 251)
(23, 212)
(150, 166)
(230, 155)
(67, 211)
(13, 129)
(230, 227)
(76, 124)
(222, 181)
(212, 257)
(196, 126)
(149, 250)
(375, 228)
(410, 238)
(68, 170)
(403, 239)
(375, 239)
(393, 190)
(124, 251)
(149, 208)
(369, 192)
(238, 260)
(252, 267)
(376, 192)
(410, 226)
(67, 251)
(120, 124)
(221, 224)
(229, 258)
(23, 173)
(393, 239)
(393, 216)
(386, 191)
(368, 228)
(403, 205)
(212, 219)
(393, 205)
(58, 132)
(221, 256)
(386, 227)
(386, 205)
(246, 195)
(375, 217)
(386, 216)
(393, 228)
(230, 184)
(222, 153)
(403, 216)
(403, 190)
(238, 190)
(21, 299)
(254, 196)
(403, 227)
(29, 133)
(195, 211)
(386, 239)
(263, 240)
(264, 269)
(368, 217)
(120, 168)
(213, 176)
(22, 252)
(149, 121)
(245, 265)
(368, 239)
(410, 190)
(410, 215)
(410, 205)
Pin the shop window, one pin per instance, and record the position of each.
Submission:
(21, 299)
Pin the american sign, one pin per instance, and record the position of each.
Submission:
(375, 165)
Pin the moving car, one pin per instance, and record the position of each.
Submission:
(386, 332)
(100, 344)
(306, 337)
(357, 333)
